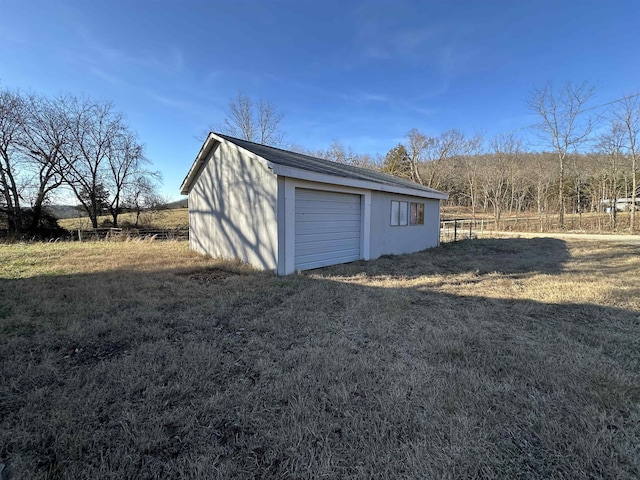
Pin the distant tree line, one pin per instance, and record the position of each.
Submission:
(587, 157)
(590, 159)
(80, 144)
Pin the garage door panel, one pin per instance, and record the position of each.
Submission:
(328, 217)
(310, 207)
(327, 228)
(335, 245)
(317, 261)
(326, 235)
(321, 196)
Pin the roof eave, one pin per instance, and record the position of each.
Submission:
(212, 142)
(198, 164)
(311, 176)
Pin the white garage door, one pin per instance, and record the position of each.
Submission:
(328, 228)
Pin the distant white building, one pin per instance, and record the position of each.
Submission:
(621, 204)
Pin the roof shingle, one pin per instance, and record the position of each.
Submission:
(319, 165)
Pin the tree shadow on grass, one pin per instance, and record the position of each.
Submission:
(509, 256)
(229, 374)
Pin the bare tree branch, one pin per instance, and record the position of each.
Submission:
(562, 124)
(253, 121)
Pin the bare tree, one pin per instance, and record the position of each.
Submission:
(469, 156)
(103, 159)
(543, 178)
(239, 122)
(563, 125)
(627, 115)
(254, 121)
(499, 174)
(43, 141)
(11, 118)
(339, 153)
(433, 152)
(92, 126)
(125, 168)
(269, 118)
(143, 194)
(417, 144)
(611, 145)
(46, 142)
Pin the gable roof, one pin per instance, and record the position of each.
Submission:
(292, 164)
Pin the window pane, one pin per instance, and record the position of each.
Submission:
(413, 213)
(420, 220)
(404, 213)
(395, 213)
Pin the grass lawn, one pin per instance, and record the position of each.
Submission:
(507, 358)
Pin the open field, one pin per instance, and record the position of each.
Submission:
(172, 218)
(493, 358)
(525, 222)
(589, 222)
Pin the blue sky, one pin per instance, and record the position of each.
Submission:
(362, 73)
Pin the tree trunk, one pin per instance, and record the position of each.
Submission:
(12, 198)
(37, 209)
(634, 187)
(561, 194)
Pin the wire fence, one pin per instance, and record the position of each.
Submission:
(455, 229)
(99, 234)
(458, 229)
(128, 233)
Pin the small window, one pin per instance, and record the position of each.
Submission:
(399, 213)
(416, 214)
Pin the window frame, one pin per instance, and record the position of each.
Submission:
(418, 218)
(404, 213)
(399, 213)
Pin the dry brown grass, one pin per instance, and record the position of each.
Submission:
(174, 218)
(513, 358)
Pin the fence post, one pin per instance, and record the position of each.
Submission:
(80, 235)
(455, 230)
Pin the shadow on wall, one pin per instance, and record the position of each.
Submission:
(238, 209)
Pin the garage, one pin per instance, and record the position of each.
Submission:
(328, 228)
(285, 211)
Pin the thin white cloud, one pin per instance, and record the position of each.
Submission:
(364, 97)
(426, 111)
(170, 101)
(374, 97)
(177, 56)
(376, 53)
(169, 59)
(409, 42)
(446, 50)
(212, 76)
(105, 76)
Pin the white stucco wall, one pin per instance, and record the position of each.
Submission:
(387, 239)
(232, 209)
